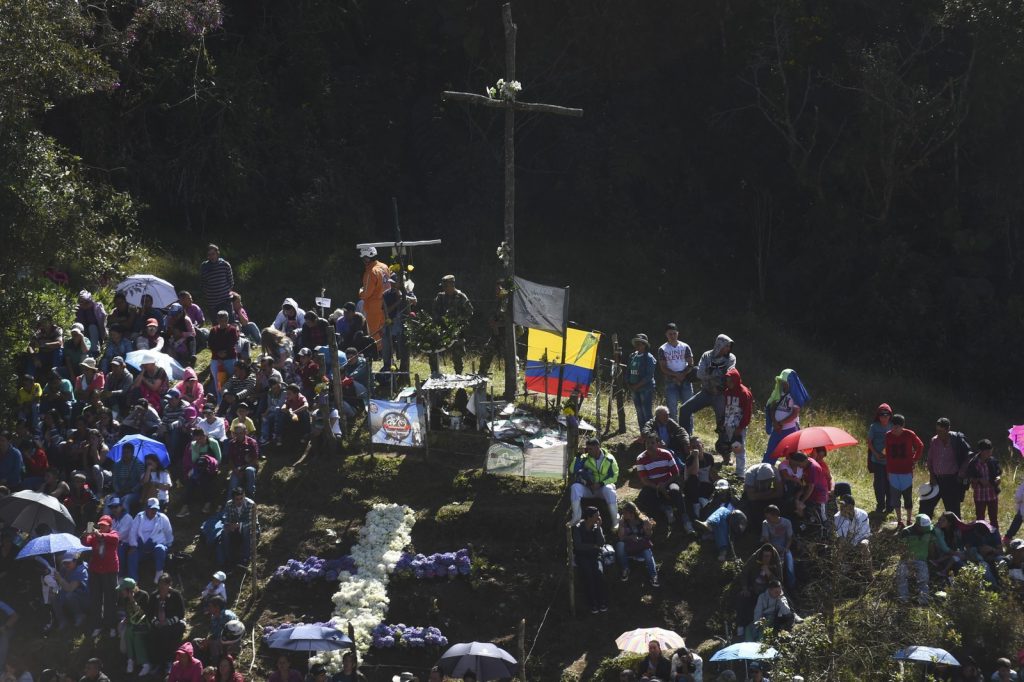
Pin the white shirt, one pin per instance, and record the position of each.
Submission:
(161, 478)
(856, 529)
(784, 410)
(214, 431)
(157, 529)
(123, 526)
(675, 356)
(698, 667)
(220, 591)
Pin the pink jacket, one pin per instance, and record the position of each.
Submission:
(187, 672)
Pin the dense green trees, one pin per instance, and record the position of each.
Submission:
(851, 168)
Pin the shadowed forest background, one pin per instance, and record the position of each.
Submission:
(848, 171)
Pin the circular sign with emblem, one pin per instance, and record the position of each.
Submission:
(395, 425)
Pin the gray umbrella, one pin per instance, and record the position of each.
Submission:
(485, 659)
(309, 638)
(27, 509)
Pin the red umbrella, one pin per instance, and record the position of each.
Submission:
(828, 437)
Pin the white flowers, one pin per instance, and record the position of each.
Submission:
(503, 90)
(362, 599)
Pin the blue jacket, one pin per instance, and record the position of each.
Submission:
(11, 467)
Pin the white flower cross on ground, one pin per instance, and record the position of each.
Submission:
(362, 599)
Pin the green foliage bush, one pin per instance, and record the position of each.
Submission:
(988, 624)
(609, 668)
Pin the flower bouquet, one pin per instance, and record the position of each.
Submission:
(440, 565)
(314, 568)
(390, 636)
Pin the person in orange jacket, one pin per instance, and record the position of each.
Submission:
(376, 281)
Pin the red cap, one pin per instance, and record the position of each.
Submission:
(106, 519)
(151, 322)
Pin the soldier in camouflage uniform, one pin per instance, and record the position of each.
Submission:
(495, 344)
(451, 305)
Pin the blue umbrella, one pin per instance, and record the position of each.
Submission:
(55, 543)
(309, 638)
(143, 446)
(745, 651)
(925, 654)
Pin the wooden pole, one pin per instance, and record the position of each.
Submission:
(565, 341)
(572, 573)
(403, 303)
(511, 369)
(332, 346)
(618, 383)
(426, 420)
(522, 650)
(253, 537)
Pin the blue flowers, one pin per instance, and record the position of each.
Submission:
(390, 636)
(441, 565)
(314, 568)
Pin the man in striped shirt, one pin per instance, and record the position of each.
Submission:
(659, 476)
(218, 279)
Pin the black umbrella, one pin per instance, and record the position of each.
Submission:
(483, 658)
(27, 509)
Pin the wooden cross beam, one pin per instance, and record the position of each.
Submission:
(402, 251)
(506, 100)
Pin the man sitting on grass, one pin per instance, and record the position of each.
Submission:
(596, 472)
(659, 476)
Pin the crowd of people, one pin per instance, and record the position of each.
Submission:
(81, 399)
(786, 497)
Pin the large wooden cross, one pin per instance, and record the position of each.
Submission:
(506, 100)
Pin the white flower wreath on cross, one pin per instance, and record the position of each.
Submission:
(506, 91)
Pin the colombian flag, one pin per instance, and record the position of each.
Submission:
(581, 356)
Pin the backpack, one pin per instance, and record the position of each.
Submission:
(207, 465)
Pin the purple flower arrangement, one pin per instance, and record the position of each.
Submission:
(440, 565)
(314, 568)
(390, 636)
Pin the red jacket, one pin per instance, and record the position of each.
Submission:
(901, 452)
(104, 552)
(739, 396)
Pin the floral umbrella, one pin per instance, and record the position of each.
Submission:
(1017, 438)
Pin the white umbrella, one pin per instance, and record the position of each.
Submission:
(636, 641)
(136, 286)
(138, 358)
